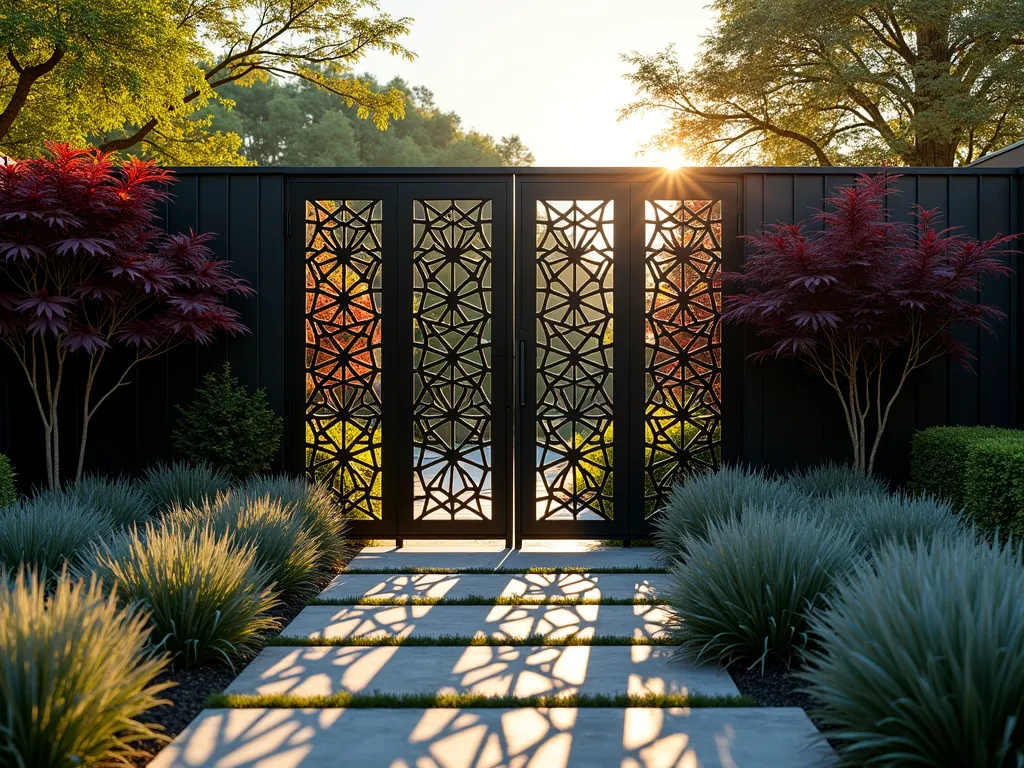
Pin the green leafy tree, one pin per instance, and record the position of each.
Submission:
(292, 122)
(137, 74)
(227, 427)
(805, 82)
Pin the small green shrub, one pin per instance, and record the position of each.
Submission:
(205, 598)
(316, 505)
(8, 495)
(286, 551)
(938, 460)
(45, 532)
(744, 591)
(919, 657)
(831, 479)
(182, 484)
(994, 491)
(877, 520)
(121, 501)
(715, 496)
(229, 428)
(75, 675)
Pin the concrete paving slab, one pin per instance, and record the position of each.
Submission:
(497, 621)
(623, 586)
(495, 556)
(475, 738)
(482, 670)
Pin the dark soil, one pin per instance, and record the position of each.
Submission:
(779, 686)
(193, 687)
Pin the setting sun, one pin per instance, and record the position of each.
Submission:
(670, 159)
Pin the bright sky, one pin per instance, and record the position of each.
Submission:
(548, 70)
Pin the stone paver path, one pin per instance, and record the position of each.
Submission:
(476, 737)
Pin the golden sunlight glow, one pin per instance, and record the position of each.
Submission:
(671, 159)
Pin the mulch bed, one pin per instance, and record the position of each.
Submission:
(779, 686)
(193, 687)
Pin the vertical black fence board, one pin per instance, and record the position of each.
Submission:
(753, 373)
(243, 249)
(995, 355)
(272, 302)
(932, 384)
(212, 215)
(963, 215)
(903, 419)
(787, 386)
(182, 363)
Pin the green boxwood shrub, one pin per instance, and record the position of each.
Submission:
(287, 552)
(744, 591)
(715, 496)
(994, 492)
(46, 532)
(316, 505)
(75, 675)
(8, 494)
(234, 431)
(918, 659)
(206, 600)
(183, 484)
(831, 479)
(877, 519)
(938, 460)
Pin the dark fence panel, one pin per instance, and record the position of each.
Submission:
(788, 418)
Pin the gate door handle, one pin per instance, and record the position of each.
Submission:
(522, 373)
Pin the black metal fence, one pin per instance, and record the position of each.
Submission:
(529, 337)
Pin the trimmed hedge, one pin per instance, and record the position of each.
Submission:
(978, 469)
(8, 495)
(938, 460)
(995, 484)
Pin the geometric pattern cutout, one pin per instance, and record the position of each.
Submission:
(343, 351)
(683, 302)
(574, 359)
(451, 264)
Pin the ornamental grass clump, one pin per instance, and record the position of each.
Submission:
(76, 676)
(183, 484)
(46, 532)
(877, 520)
(206, 600)
(120, 500)
(830, 479)
(918, 658)
(316, 505)
(287, 552)
(714, 497)
(743, 594)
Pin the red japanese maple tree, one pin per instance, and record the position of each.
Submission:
(85, 269)
(866, 300)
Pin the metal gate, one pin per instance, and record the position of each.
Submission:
(436, 411)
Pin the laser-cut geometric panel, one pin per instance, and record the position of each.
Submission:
(574, 332)
(343, 350)
(451, 258)
(682, 313)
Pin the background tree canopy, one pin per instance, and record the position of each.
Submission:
(137, 74)
(296, 123)
(843, 82)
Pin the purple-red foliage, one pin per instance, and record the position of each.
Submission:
(865, 279)
(84, 264)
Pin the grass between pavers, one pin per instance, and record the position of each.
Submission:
(379, 700)
(637, 569)
(461, 640)
(482, 600)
